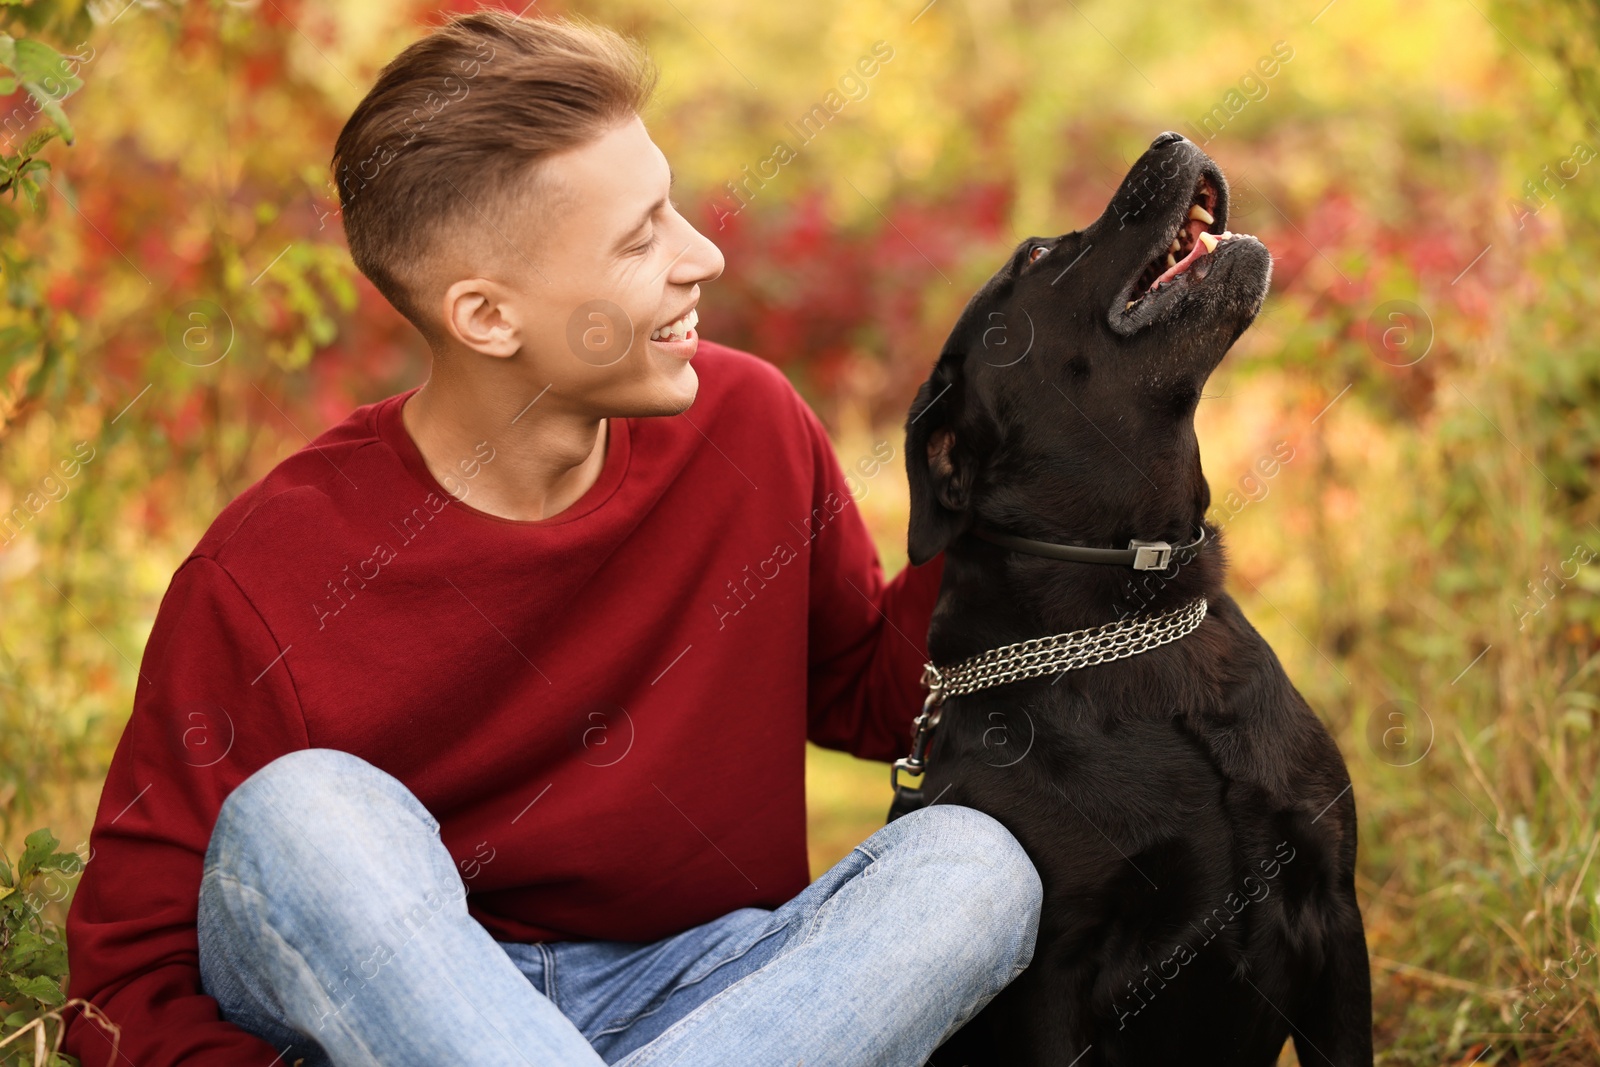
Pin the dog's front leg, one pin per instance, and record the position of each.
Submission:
(1334, 1025)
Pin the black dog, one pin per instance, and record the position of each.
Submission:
(1190, 816)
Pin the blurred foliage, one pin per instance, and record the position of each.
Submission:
(181, 314)
(33, 957)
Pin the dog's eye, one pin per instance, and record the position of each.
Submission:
(1039, 252)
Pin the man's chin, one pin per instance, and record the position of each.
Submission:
(667, 396)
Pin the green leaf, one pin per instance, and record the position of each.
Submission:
(37, 64)
(52, 959)
(45, 990)
(69, 862)
(37, 847)
(59, 117)
(41, 957)
(37, 140)
(43, 73)
(24, 944)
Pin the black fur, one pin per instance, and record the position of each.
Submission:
(1189, 814)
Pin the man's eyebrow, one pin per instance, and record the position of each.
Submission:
(645, 218)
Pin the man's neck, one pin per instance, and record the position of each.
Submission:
(544, 459)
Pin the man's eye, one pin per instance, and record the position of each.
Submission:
(647, 246)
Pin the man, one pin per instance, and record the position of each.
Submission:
(474, 732)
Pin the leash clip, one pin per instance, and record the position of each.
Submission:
(921, 729)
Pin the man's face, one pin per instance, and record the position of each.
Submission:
(613, 263)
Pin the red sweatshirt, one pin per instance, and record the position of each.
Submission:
(605, 710)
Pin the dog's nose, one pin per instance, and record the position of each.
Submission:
(1165, 139)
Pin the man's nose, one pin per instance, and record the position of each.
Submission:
(1166, 138)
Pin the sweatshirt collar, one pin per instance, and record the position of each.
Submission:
(392, 431)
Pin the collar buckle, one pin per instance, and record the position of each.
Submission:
(1151, 555)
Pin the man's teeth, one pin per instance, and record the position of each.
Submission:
(677, 331)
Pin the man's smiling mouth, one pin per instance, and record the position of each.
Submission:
(678, 328)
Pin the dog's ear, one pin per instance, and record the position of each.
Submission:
(938, 467)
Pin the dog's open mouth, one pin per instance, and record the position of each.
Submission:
(1190, 244)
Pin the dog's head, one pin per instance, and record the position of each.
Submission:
(1062, 405)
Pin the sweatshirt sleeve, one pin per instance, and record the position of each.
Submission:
(868, 637)
(213, 703)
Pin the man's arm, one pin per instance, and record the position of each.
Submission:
(869, 638)
(213, 702)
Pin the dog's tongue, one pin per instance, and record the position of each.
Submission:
(1203, 243)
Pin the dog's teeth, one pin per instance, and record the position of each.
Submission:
(1198, 212)
(1130, 304)
(1209, 240)
(1174, 247)
(1171, 260)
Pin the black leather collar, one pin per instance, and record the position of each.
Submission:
(1140, 555)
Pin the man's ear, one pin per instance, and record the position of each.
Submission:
(938, 468)
(480, 315)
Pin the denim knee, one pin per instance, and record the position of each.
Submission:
(320, 869)
(315, 812)
(988, 882)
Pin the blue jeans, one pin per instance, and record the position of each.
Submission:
(333, 920)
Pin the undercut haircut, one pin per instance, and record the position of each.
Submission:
(451, 133)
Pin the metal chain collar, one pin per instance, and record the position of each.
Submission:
(1063, 652)
(1033, 658)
